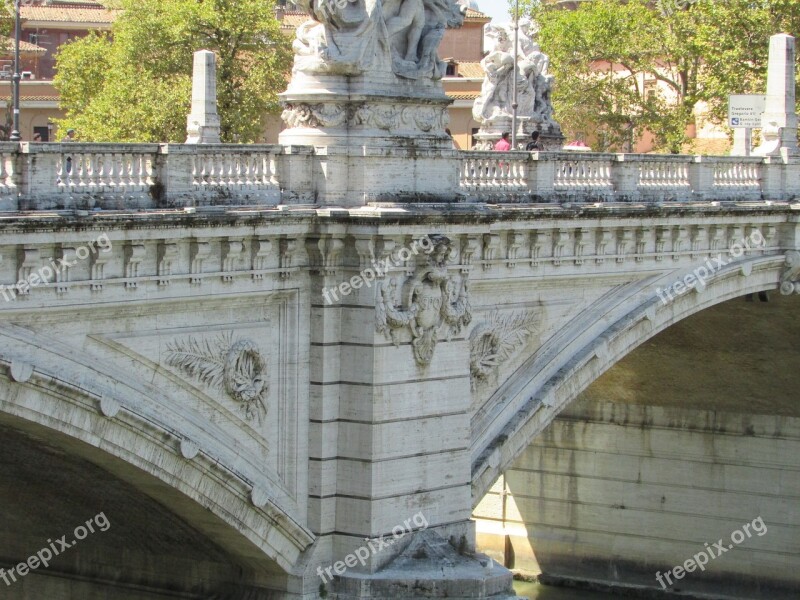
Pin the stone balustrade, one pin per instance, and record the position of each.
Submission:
(152, 176)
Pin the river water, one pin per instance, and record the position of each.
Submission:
(534, 591)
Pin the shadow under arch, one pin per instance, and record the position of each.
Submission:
(49, 391)
(553, 377)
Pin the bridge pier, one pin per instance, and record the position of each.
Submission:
(393, 500)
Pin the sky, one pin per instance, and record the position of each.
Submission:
(497, 9)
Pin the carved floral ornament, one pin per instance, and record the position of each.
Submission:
(432, 300)
(237, 368)
(387, 117)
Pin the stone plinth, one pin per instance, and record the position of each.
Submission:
(203, 125)
(378, 137)
(431, 567)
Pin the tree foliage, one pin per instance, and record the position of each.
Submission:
(134, 85)
(607, 54)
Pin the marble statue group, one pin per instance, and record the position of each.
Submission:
(352, 37)
(530, 71)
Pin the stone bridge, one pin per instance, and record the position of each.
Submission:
(255, 380)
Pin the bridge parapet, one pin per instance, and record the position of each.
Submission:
(153, 176)
(150, 176)
(590, 177)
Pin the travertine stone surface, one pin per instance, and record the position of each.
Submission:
(198, 349)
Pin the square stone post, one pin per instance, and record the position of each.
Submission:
(390, 413)
(541, 175)
(701, 177)
(625, 176)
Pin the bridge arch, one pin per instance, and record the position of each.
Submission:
(128, 428)
(526, 403)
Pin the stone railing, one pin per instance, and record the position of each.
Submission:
(151, 176)
(591, 177)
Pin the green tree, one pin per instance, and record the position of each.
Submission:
(624, 68)
(134, 84)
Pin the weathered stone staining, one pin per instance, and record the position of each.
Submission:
(493, 109)
(779, 121)
(203, 125)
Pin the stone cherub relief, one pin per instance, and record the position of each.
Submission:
(351, 37)
(431, 299)
(534, 84)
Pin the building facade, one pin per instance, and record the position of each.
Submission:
(46, 26)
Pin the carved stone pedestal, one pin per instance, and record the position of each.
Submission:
(377, 138)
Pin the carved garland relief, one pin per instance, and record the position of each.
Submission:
(385, 117)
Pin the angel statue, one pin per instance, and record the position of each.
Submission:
(416, 28)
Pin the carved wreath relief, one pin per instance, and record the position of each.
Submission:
(237, 368)
(432, 298)
(495, 341)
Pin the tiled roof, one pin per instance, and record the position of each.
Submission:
(7, 46)
(292, 20)
(470, 70)
(463, 95)
(30, 98)
(476, 14)
(77, 13)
